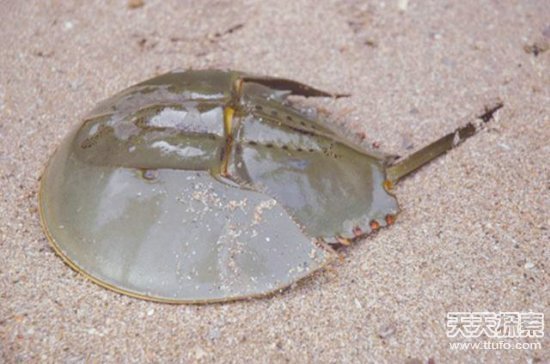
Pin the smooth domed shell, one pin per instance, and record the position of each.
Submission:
(138, 199)
(176, 235)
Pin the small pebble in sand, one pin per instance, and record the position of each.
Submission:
(135, 4)
(68, 25)
(536, 48)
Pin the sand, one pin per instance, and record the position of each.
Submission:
(473, 234)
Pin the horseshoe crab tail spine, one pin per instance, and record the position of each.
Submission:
(404, 167)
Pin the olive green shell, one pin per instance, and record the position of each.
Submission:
(204, 186)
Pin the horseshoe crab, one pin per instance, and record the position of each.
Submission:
(206, 186)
